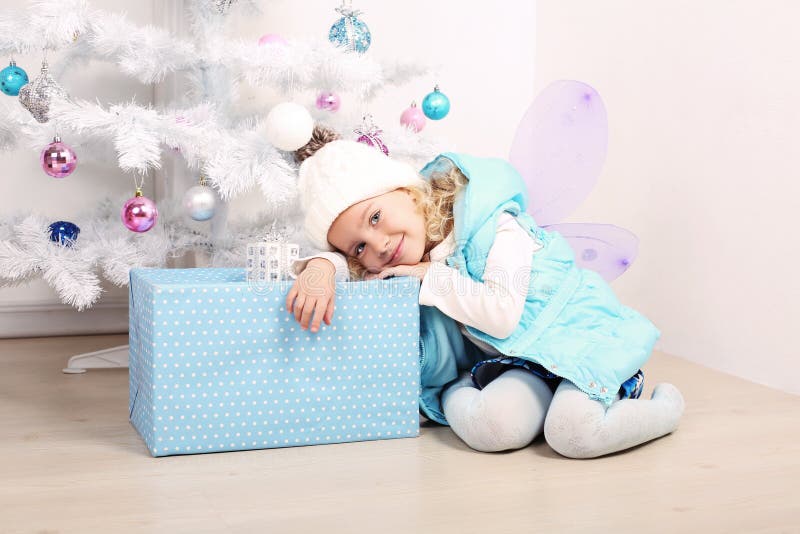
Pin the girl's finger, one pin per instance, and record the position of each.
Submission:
(319, 310)
(299, 303)
(290, 297)
(308, 309)
(328, 317)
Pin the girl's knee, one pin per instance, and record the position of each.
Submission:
(574, 427)
(569, 437)
(503, 416)
(488, 426)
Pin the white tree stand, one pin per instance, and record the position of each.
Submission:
(100, 359)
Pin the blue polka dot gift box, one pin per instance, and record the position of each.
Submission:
(218, 364)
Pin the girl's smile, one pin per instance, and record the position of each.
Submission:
(398, 251)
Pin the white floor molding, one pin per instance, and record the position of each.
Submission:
(56, 319)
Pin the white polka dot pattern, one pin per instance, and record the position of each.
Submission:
(216, 366)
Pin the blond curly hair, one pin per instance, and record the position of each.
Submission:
(434, 199)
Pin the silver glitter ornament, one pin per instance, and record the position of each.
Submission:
(223, 5)
(37, 95)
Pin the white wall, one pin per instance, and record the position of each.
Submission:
(704, 121)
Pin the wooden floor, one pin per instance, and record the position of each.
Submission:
(71, 462)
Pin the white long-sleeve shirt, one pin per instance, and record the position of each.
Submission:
(493, 306)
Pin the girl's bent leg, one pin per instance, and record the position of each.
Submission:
(507, 414)
(579, 427)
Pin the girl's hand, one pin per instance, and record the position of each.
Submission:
(313, 293)
(417, 270)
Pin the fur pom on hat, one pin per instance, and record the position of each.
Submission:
(343, 173)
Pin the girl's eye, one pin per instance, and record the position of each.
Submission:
(374, 220)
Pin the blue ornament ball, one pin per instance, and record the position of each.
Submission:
(12, 78)
(350, 32)
(436, 105)
(64, 232)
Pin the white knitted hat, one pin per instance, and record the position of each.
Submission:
(343, 173)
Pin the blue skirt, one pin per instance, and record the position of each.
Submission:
(485, 371)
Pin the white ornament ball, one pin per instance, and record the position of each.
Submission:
(289, 126)
(200, 202)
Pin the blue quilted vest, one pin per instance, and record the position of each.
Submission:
(572, 323)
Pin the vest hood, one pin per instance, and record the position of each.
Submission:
(493, 182)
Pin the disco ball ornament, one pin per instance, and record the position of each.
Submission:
(64, 232)
(436, 105)
(413, 118)
(328, 101)
(200, 202)
(139, 213)
(272, 39)
(37, 95)
(370, 135)
(289, 126)
(58, 159)
(349, 32)
(12, 78)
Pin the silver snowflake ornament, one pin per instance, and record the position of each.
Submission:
(37, 95)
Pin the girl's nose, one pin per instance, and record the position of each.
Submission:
(382, 246)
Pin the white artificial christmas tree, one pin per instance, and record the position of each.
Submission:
(209, 129)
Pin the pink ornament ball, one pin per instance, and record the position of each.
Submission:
(139, 214)
(413, 118)
(58, 160)
(272, 39)
(328, 101)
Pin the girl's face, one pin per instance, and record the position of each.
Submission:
(381, 232)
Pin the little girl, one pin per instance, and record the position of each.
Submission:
(515, 338)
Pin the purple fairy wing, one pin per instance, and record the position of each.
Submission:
(607, 249)
(560, 147)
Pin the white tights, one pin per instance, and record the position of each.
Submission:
(512, 410)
